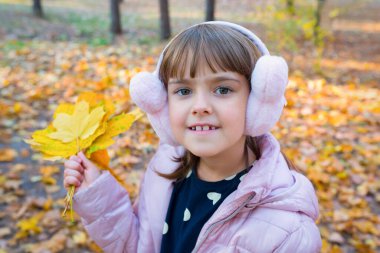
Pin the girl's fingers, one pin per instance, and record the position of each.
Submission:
(75, 158)
(70, 180)
(70, 164)
(73, 173)
(80, 171)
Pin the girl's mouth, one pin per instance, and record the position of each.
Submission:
(202, 128)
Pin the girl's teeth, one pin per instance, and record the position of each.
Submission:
(204, 128)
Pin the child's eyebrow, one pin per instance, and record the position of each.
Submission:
(210, 79)
(179, 81)
(222, 78)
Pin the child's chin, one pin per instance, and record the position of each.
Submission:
(203, 151)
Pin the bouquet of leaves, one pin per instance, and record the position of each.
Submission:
(89, 126)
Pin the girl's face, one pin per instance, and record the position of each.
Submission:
(207, 113)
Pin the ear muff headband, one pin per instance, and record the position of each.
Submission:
(250, 35)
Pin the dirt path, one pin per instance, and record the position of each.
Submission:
(354, 52)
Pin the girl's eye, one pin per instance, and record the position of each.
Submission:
(183, 92)
(222, 90)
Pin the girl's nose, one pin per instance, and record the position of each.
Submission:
(201, 105)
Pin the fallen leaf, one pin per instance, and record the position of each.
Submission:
(7, 154)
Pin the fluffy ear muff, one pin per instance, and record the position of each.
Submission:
(161, 124)
(148, 92)
(269, 78)
(266, 100)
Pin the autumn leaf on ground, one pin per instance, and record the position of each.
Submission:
(29, 226)
(7, 155)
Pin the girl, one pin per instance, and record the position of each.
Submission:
(218, 182)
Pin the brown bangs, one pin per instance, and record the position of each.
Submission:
(221, 48)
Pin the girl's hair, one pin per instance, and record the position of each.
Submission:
(222, 49)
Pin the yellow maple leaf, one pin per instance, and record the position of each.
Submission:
(116, 125)
(52, 149)
(80, 125)
(101, 158)
(64, 108)
(96, 99)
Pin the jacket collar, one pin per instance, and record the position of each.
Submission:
(268, 172)
(271, 183)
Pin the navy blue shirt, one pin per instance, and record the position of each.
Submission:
(192, 203)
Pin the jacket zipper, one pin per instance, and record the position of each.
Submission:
(212, 226)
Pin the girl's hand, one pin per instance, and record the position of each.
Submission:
(80, 172)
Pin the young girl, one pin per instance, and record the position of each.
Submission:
(218, 182)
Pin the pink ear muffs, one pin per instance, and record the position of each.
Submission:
(265, 102)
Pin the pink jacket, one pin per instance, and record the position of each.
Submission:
(273, 210)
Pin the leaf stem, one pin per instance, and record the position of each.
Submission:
(70, 194)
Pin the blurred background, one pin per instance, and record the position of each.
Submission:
(52, 50)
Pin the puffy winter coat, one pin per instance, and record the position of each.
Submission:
(273, 209)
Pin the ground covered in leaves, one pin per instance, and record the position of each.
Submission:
(329, 129)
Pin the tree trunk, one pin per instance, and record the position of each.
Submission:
(290, 7)
(164, 19)
(37, 9)
(318, 15)
(115, 17)
(210, 10)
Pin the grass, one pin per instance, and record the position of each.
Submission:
(12, 45)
